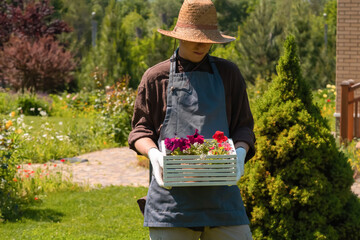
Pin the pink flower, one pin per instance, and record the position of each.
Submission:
(174, 143)
(226, 146)
(220, 137)
(196, 138)
(183, 144)
(170, 144)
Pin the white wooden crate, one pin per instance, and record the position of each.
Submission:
(191, 170)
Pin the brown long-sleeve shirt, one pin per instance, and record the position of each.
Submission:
(150, 104)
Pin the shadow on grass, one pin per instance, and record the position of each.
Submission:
(42, 215)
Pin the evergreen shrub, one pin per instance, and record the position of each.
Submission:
(31, 105)
(298, 184)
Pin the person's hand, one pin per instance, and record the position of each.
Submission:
(240, 161)
(157, 161)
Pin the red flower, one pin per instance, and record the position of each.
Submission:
(18, 166)
(62, 160)
(328, 100)
(29, 163)
(220, 137)
(36, 198)
(54, 165)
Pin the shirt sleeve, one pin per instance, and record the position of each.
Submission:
(142, 123)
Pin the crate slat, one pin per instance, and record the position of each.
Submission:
(219, 166)
(200, 170)
(173, 175)
(198, 184)
(202, 179)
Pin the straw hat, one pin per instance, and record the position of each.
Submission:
(197, 22)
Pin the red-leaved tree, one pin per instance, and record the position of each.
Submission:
(30, 56)
(41, 65)
(30, 19)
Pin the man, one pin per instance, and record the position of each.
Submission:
(192, 91)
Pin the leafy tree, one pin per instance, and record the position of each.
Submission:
(37, 66)
(78, 14)
(163, 12)
(32, 20)
(298, 184)
(112, 49)
(231, 14)
(257, 47)
(134, 25)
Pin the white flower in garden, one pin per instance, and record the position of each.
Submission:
(319, 91)
(328, 85)
(60, 138)
(45, 135)
(39, 109)
(32, 109)
(51, 138)
(60, 123)
(1, 137)
(43, 113)
(30, 127)
(19, 109)
(325, 95)
(19, 120)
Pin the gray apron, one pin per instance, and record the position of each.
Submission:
(195, 100)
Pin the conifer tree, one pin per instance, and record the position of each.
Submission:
(258, 43)
(298, 184)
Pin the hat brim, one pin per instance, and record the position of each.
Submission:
(196, 35)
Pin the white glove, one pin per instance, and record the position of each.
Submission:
(157, 161)
(240, 161)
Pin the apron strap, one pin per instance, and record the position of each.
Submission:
(173, 63)
(213, 66)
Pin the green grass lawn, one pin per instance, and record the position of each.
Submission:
(107, 213)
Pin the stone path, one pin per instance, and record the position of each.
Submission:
(116, 166)
(356, 186)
